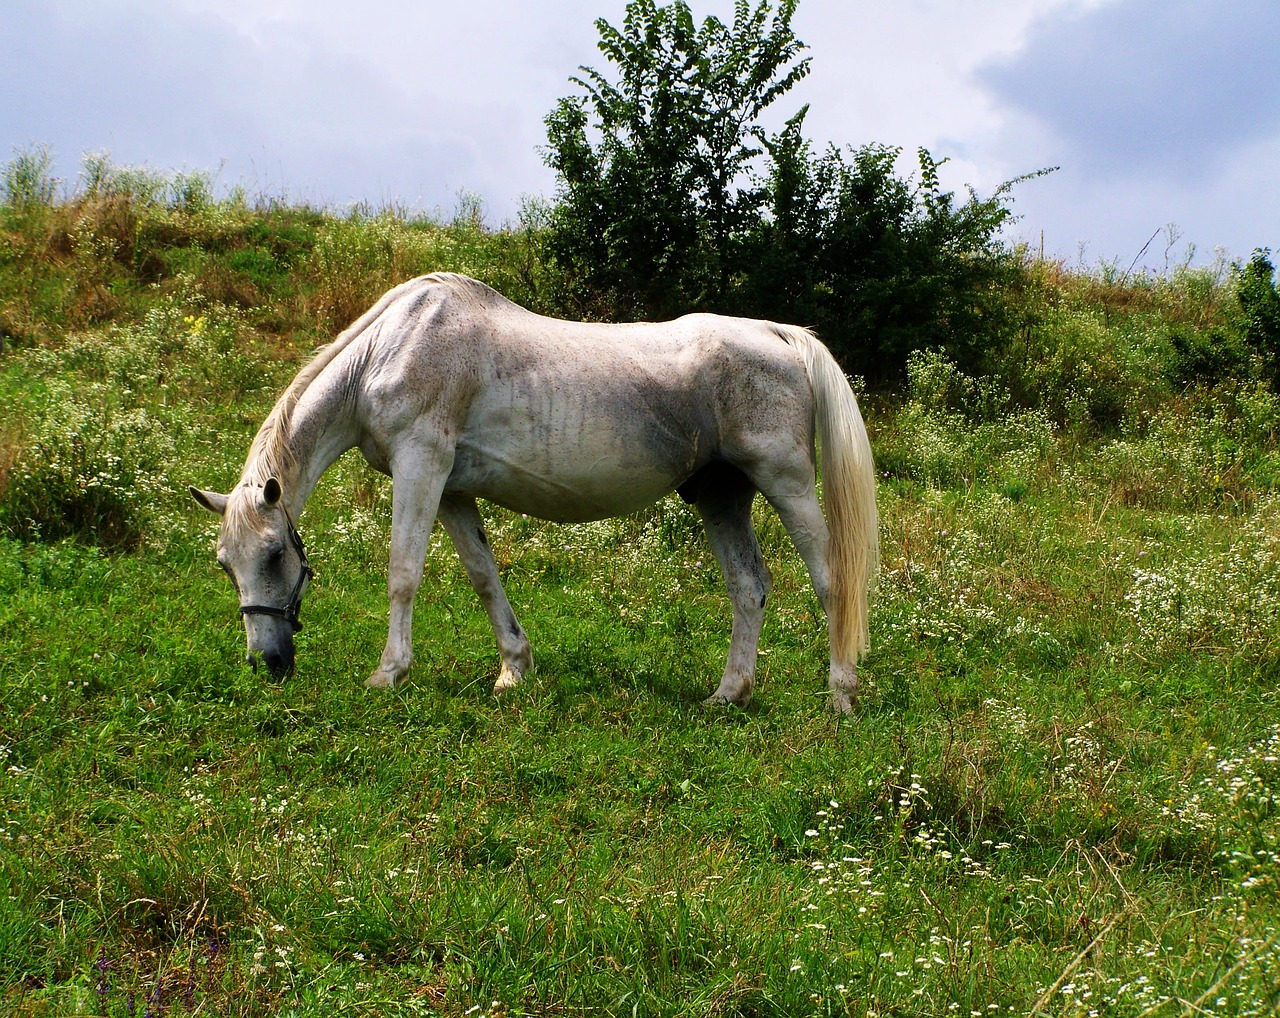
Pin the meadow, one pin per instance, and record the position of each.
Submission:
(1057, 795)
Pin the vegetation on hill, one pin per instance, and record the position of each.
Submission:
(1058, 793)
(674, 197)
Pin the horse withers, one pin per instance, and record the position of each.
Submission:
(459, 394)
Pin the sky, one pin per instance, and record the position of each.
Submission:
(1161, 116)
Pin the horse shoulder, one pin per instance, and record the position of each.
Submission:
(424, 363)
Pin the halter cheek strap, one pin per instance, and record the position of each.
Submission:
(289, 611)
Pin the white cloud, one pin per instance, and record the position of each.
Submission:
(1168, 88)
(1157, 110)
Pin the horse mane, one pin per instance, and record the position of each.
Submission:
(471, 290)
(269, 454)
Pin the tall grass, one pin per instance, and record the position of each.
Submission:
(1057, 795)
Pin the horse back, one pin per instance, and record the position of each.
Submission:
(570, 420)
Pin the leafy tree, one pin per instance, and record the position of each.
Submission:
(1259, 308)
(652, 165)
(881, 265)
(674, 198)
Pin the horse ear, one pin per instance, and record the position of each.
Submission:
(271, 491)
(211, 500)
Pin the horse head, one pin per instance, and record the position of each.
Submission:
(260, 549)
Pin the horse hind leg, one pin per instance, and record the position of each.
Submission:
(724, 503)
(461, 520)
(796, 504)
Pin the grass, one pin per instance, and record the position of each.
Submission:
(1057, 795)
(1009, 792)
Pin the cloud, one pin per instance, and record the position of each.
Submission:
(1163, 88)
(282, 107)
(1157, 110)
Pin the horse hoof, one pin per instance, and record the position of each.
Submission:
(720, 700)
(380, 680)
(508, 678)
(841, 703)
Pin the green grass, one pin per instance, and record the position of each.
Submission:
(1057, 794)
(1030, 771)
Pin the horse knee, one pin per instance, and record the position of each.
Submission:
(403, 582)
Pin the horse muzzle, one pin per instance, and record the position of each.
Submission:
(279, 661)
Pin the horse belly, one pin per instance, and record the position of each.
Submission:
(579, 458)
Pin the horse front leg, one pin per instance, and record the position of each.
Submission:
(461, 518)
(418, 475)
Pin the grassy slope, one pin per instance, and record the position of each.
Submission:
(1057, 792)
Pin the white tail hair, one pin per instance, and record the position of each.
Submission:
(848, 497)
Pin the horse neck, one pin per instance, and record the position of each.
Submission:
(317, 429)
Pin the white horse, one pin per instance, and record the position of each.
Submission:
(458, 394)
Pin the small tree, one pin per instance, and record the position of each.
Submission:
(674, 198)
(1259, 303)
(652, 165)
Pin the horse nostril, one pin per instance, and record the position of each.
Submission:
(278, 663)
(252, 661)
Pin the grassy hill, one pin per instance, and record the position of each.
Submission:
(1057, 795)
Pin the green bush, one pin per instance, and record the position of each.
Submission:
(954, 429)
(87, 471)
(26, 181)
(881, 265)
(1259, 309)
(1209, 356)
(1211, 447)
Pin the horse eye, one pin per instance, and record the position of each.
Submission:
(230, 575)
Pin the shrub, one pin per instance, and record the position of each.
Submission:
(1208, 356)
(881, 265)
(87, 471)
(955, 429)
(1212, 447)
(26, 181)
(1259, 309)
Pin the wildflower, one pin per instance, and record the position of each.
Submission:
(103, 966)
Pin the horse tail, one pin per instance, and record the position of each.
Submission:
(849, 499)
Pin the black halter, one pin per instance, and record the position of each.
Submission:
(291, 607)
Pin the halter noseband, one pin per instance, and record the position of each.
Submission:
(291, 607)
